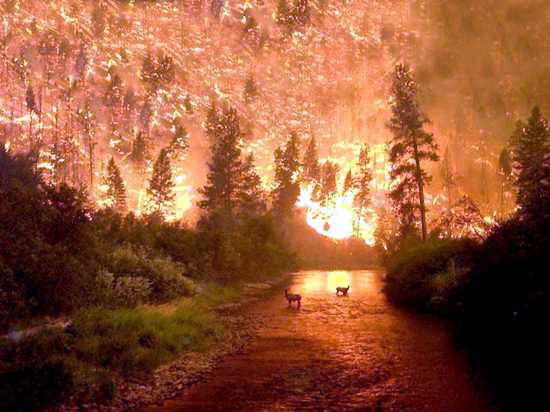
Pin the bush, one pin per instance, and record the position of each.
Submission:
(506, 306)
(138, 341)
(419, 272)
(165, 278)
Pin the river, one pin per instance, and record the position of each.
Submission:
(339, 353)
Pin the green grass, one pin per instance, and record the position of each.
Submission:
(137, 341)
(104, 345)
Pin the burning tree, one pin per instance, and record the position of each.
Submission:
(410, 146)
(463, 219)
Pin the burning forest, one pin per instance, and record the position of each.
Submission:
(163, 159)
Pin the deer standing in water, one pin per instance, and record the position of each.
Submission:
(342, 290)
(291, 297)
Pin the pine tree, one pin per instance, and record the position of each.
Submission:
(287, 189)
(362, 182)
(161, 187)
(311, 170)
(410, 146)
(532, 164)
(221, 192)
(251, 196)
(115, 196)
(212, 123)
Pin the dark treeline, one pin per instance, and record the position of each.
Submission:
(491, 281)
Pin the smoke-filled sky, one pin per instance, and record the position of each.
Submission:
(481, 64)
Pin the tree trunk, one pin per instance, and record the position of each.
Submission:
(420, 183)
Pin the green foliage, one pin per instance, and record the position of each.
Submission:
(136, 342)
(250, 248)
(419, 271)
(140, 277)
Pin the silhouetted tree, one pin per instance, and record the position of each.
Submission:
(251, 196)
(311, 168)
(222, 189)
(532, 164)
(410, 146)
(161, 187)
(287, 187)
(115, 195)
(138, 155)
(328, 186)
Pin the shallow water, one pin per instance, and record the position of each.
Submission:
(339, 353)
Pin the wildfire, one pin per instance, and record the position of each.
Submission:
(337, 219)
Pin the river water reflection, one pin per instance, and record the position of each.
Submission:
(355, 352)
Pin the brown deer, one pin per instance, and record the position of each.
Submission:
(342, 290)
(291, 297)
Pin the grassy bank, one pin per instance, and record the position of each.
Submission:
(104, 347)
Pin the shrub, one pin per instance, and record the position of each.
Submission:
(419, 272)
(165, 277)
(137, 341)
(505, 304)
(132, 291)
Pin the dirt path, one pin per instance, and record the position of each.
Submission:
(339, 353)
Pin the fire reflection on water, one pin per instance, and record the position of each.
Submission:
(327, 283)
